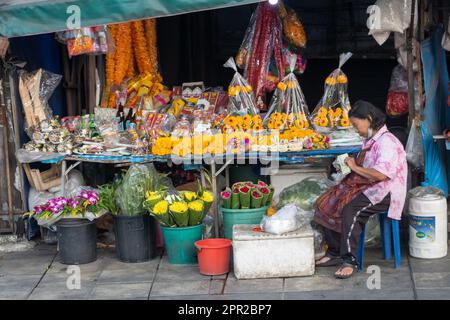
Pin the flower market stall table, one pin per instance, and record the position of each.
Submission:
(218, 163)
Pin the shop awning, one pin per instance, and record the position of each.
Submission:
(27, 17)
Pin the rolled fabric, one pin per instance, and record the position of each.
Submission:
(269, 199)
(244, 197)
(256, 199)
(235, 201)
(226, 198)
(265, 193)
(180, 213)
(196, 212)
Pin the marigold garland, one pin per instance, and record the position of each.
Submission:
(123, 51)
(140, 48)
(150, 31)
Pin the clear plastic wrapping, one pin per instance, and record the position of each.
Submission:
(332, 110)
(414, 148)
(35, 90)
(288, 107)
(88, 40)
(139, 179)
(426, 192)
(287, 219)
(241, 95)
(397, 101)
(292, 27)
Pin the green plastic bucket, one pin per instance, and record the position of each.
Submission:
(180, 243)
(240, 216)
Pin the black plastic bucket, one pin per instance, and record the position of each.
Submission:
(77, 241)
(135, 238)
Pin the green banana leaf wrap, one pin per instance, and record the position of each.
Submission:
(269, 199)
(226, 198)
(196, 215)
(244, 197)
(262, 183)
(265, 193)
(180, 218)
(161, 214)
(256, 199)
(235, 203)
(149, 204)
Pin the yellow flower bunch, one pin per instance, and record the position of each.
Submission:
(235, 90)
(161, 207)
(179, 206)
(242, 123)
(190, 196)
(207, 196)
(152, 195)
(162, 146)
(196, 206)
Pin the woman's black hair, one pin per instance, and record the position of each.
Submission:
(365, 110)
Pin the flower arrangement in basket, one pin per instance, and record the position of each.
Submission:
(82, 206)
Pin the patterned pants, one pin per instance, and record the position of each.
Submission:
(354, 216)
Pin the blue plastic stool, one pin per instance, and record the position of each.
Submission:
(385, 228)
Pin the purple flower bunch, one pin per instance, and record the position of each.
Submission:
(57, 206)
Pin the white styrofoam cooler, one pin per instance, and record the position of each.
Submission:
(265, 255)
(291, 174)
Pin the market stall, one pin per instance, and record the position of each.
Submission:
(261, 118)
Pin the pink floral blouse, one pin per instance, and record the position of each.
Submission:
(387, 156)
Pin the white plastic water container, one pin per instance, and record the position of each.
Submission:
(427, 223)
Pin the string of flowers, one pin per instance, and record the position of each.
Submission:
(140, 48)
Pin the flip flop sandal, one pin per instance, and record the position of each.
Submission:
(330, 263)
(345, 265)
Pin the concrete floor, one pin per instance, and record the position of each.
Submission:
(38, 274)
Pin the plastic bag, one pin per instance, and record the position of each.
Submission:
(240, 92)
(388, 16)
(446, 37)
(243, 54)
(287, 219)
(288, 107)
(35, 90)
(88, 40)
(292, 27)
(397, 101)
(139, 179)
(266, 44)
(333, 108)
(414, 147)
(304, 193)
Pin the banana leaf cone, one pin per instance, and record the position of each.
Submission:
(265, 193)
(237, 185)
(262, 183)
(256, 199)
(161, 213)
(235, 203)
(180, 213)
(269, 199)
(244, 197)
(226, 198)
(152, 199)
(196, 212)
(208, 198)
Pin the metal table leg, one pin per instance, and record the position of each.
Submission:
(63, 178)
(216, 196)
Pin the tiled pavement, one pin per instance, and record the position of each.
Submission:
(38, 274)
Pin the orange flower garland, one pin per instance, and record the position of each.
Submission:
(110, 58)
(123, 51)
(140, 48)
(150, 31)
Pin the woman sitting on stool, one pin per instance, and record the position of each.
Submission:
(377, 184)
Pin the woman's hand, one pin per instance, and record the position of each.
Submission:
(351, 163)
